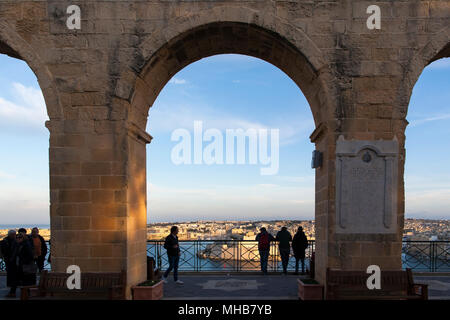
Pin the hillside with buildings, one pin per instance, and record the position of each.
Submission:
(414, 230)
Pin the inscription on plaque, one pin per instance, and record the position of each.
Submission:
(366, 186)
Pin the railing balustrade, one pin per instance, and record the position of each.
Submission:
(243, 255)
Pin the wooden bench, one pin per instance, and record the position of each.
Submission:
(96, 285)
(395, 285)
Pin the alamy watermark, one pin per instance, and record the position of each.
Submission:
(374, 280)
(238, 146)
(74, 280)
(74, 20)
(374, 20)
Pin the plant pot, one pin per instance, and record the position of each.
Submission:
(143, 292)
(309, 291)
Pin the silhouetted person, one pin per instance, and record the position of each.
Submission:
(26, 237)
(39, 248)
(26, 267)
(299, 245)
(8, 249)
(23, 231)
(264, 239)
(173, 254)
(284, 245)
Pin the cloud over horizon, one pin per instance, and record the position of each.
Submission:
(167, 118)
(26, 110)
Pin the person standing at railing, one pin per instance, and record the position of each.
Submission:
(264, 239)
(39, 248)
(284, 239)
(299, 245)
(8, 248)
(24, 259)
(173, 254)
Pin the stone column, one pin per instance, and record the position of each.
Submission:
(136, 199)
(98, 196)
(359, 203)
(359, 188)
(322, 139)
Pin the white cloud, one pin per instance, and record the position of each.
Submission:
(233, 58)
(433, 203)
(414, 123)
(27, 109)
(5, 175)
(230, 202)
(268, 185)
(427, 195)
(297, 179)
(168, 118)
(177, 81)
(24, 202)
(426, 181)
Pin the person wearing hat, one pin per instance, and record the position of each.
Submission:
(299, 245)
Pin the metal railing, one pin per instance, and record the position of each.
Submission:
(426, 256)
(223, 256)
(243, 255)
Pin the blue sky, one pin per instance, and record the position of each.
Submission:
(224, 92)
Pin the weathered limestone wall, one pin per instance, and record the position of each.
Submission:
(100, 81)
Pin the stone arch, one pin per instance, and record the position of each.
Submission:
(438, 47)
(234, 30)
(13, 45)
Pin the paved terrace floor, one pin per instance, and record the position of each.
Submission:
(255, 287)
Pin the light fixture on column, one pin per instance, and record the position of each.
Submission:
(316, 161)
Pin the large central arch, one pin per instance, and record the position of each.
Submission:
(304, 65)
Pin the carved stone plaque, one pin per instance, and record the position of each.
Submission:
(366, 186)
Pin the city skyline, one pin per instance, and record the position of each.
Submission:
(221, 192)
(414, 229)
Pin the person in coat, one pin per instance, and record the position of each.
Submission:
(8, 249)
(39, 248)
(299, 245)
(24, 258)
(264, 238)
(173, 254)
(284, 239)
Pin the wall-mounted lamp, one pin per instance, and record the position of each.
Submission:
(316, 161)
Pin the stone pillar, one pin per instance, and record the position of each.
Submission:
(98, 196)
(324, 143)
(366, 229)
(136, 198)
(359, 203)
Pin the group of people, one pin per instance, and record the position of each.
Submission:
(284, 238)
(24, 256)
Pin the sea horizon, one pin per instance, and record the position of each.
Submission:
(47, 225)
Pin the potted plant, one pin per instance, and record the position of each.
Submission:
(148, 290)
(309, 289)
